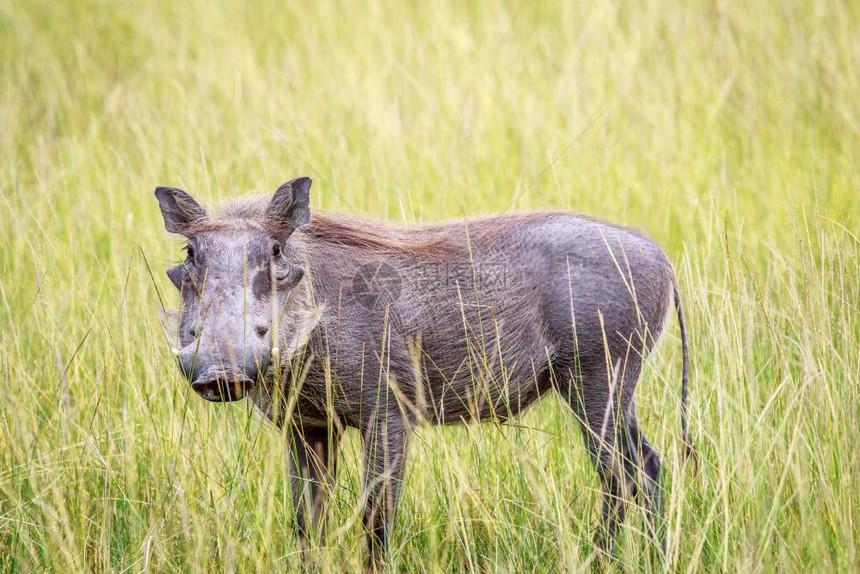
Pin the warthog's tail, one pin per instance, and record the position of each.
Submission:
(689, 450)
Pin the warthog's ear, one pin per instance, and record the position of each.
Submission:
(178, 208)
(291, 204)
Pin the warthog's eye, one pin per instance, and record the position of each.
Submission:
(287, 274)
(189, 251)
(276, 250)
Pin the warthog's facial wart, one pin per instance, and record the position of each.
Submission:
(234, 283)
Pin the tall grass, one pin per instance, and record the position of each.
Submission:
(727, 131)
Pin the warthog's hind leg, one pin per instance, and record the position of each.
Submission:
(647, 463)
(603, 407)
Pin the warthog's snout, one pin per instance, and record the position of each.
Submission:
(222, 386)
(218, 382)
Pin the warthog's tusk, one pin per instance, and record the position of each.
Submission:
(276, 352)
(175, 351)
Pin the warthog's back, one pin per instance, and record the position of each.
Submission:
(464, 319)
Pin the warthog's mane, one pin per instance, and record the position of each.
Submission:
(425, 240)
(249, 213)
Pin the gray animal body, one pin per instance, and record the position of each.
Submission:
(329, 322)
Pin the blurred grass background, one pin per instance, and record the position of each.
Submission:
(727, 131)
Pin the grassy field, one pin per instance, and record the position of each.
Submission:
(729, 132)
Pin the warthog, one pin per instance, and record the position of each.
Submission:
(328, 322)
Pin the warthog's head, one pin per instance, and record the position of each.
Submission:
(239, 271)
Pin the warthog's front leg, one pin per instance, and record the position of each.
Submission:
(312, 470)
(385, 442)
